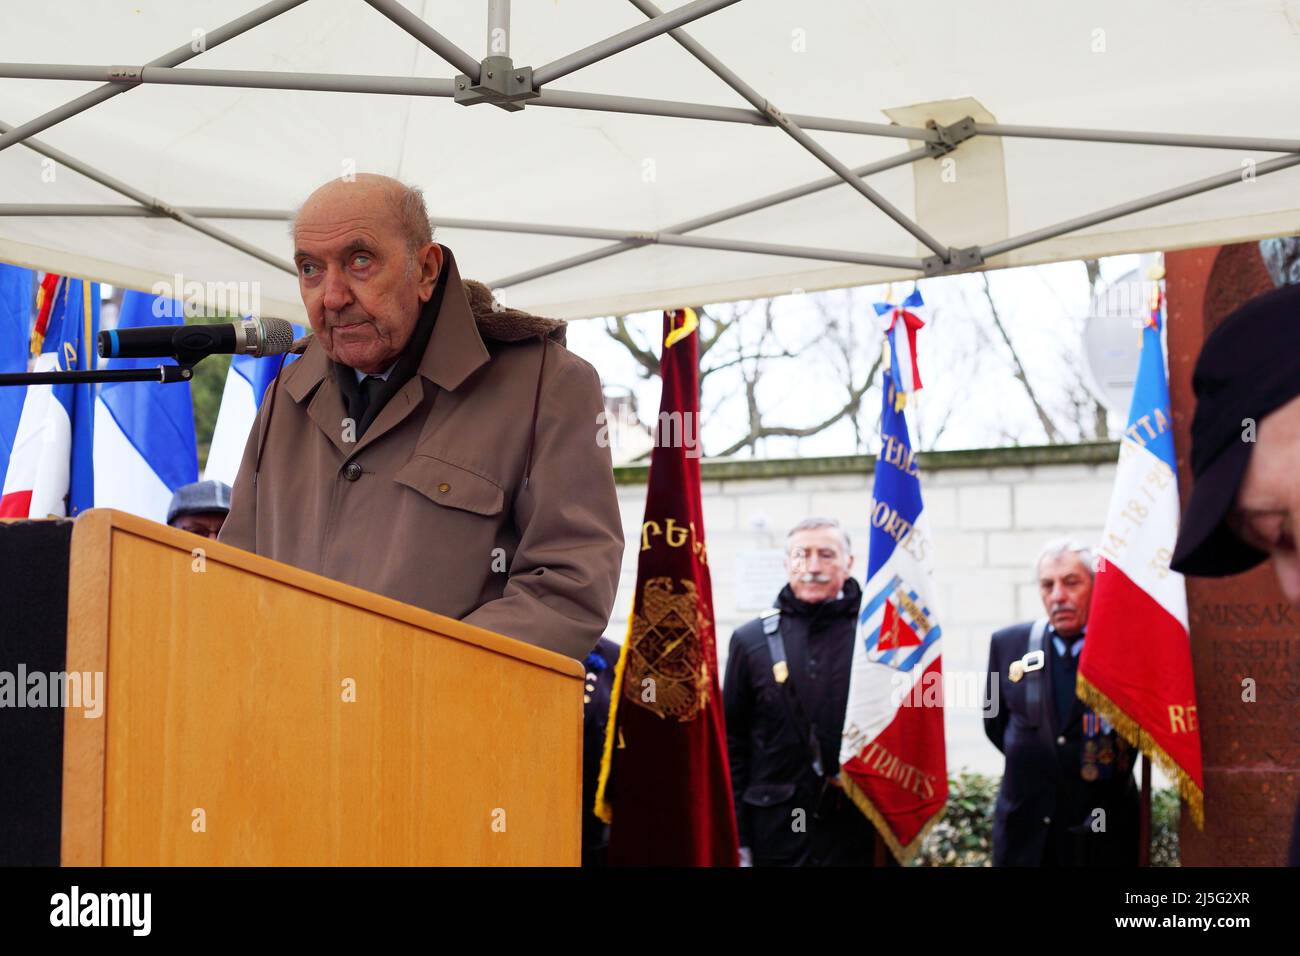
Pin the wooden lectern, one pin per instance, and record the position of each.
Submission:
(256, 714)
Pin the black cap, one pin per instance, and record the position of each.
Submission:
(1248, 367)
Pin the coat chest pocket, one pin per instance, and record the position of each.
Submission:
(451, 485)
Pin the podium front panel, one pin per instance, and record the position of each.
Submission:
(256, 714)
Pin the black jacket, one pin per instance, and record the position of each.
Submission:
(771, 767)
(1045, 811)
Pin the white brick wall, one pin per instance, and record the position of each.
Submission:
(987, 523)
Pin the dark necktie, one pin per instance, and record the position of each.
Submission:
(1067, 669)
(367, 389)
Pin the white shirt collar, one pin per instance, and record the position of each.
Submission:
(1075, 648)
(384, 374)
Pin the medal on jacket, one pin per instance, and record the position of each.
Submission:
(1098, 749)
(780, 672)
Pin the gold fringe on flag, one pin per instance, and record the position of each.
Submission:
(37, 340)
(87, 360)
(1131, 731)
(602, 807)
(903, 854)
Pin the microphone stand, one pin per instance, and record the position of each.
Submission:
(160, 373)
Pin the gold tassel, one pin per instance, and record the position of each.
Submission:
(602, 808)
(1131, 731)
(903, 854)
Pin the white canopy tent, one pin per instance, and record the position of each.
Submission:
(721, 150)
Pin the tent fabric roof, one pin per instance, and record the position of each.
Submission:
(1161, 66)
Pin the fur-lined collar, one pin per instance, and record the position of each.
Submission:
(497, 322)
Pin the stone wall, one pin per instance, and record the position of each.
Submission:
(990, 513)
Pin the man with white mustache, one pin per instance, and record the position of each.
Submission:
(1067, 797)
(785, 692)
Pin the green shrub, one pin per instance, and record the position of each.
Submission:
(1165, 808)
(964, 836)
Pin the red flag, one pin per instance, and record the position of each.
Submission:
(665, 786)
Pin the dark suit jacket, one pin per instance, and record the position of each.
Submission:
(1045, 810)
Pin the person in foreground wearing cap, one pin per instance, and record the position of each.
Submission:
(200, 508)
(1068, 797)
(1245, 503)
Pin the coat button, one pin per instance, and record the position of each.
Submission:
(352, 471)
(444, 487)
(1060, 741)
(1047, 821)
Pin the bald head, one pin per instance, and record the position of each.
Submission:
(405, 203)
(367, 263)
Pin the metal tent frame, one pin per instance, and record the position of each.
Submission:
(495, 80)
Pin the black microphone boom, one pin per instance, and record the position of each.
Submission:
(189, 343)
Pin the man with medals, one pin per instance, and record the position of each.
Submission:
(1068, 797)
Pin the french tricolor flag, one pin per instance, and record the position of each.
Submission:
(50, 470)
(1136, 667)
(246, 384)
(144, 431)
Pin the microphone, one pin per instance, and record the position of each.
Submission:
(189, 343)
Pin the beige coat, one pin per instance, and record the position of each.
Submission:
(430, 506)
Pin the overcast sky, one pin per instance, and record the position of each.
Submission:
(965, 367)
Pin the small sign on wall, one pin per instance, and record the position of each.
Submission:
(760, 575)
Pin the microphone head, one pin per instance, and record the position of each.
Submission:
(276, 337)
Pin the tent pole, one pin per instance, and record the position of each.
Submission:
(427, 35)
(420, 86)
(709, 219)
(796, 132)
(150, 202)
(659, 23)
(566, 99)
(796, 252)
(1140, 138)
(498, 35)
(1137, 205)
(245, 79)
(110, 211)
(211, 39)
(633, 239)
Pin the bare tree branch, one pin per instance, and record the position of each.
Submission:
(617, 329)
(1018, 369)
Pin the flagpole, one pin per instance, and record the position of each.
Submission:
(1144, 815)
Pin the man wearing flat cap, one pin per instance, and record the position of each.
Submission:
(200, 507)
(1245, 501)
(430, 445)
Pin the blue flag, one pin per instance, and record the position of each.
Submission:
(17, 286)
(144, 431)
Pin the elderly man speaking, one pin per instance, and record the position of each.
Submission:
(430, 445)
